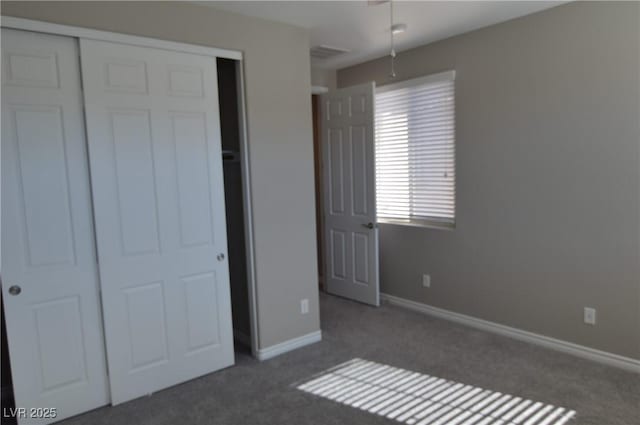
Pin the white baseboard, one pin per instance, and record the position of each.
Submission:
(292, 344)
(599, 356)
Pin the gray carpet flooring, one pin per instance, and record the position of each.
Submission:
(255, 392)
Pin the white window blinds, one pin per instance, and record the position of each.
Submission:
(415, 151)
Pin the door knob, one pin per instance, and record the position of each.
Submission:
(220, 257)
(15, 290)
(369, 225)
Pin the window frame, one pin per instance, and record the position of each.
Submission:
(426, 222)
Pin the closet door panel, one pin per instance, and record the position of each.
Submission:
(49, 270)
(156, 172)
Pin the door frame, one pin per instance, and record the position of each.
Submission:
(86, 33)
(316, 105)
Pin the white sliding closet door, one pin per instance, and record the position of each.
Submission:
(49, 270)
(156, 172)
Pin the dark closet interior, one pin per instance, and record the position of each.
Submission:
(7, 388)
(230, 129)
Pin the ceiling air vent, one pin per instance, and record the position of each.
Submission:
(324, 52)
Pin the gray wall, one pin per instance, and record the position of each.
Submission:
(323, 77)
(548, 176)
(277, 78)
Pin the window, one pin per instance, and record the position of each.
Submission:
(415, 151)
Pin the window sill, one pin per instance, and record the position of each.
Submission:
(428, 224)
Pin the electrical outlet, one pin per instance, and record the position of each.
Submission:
(426, 281)
(590, 316)
(304, 306)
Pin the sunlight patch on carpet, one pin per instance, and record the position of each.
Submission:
(418, 399)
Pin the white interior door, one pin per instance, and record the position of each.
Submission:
(351, 234)
(49, 270)
(156, 172)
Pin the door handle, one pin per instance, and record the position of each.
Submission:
(15, 290)
(369, 225)
(220, 257)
